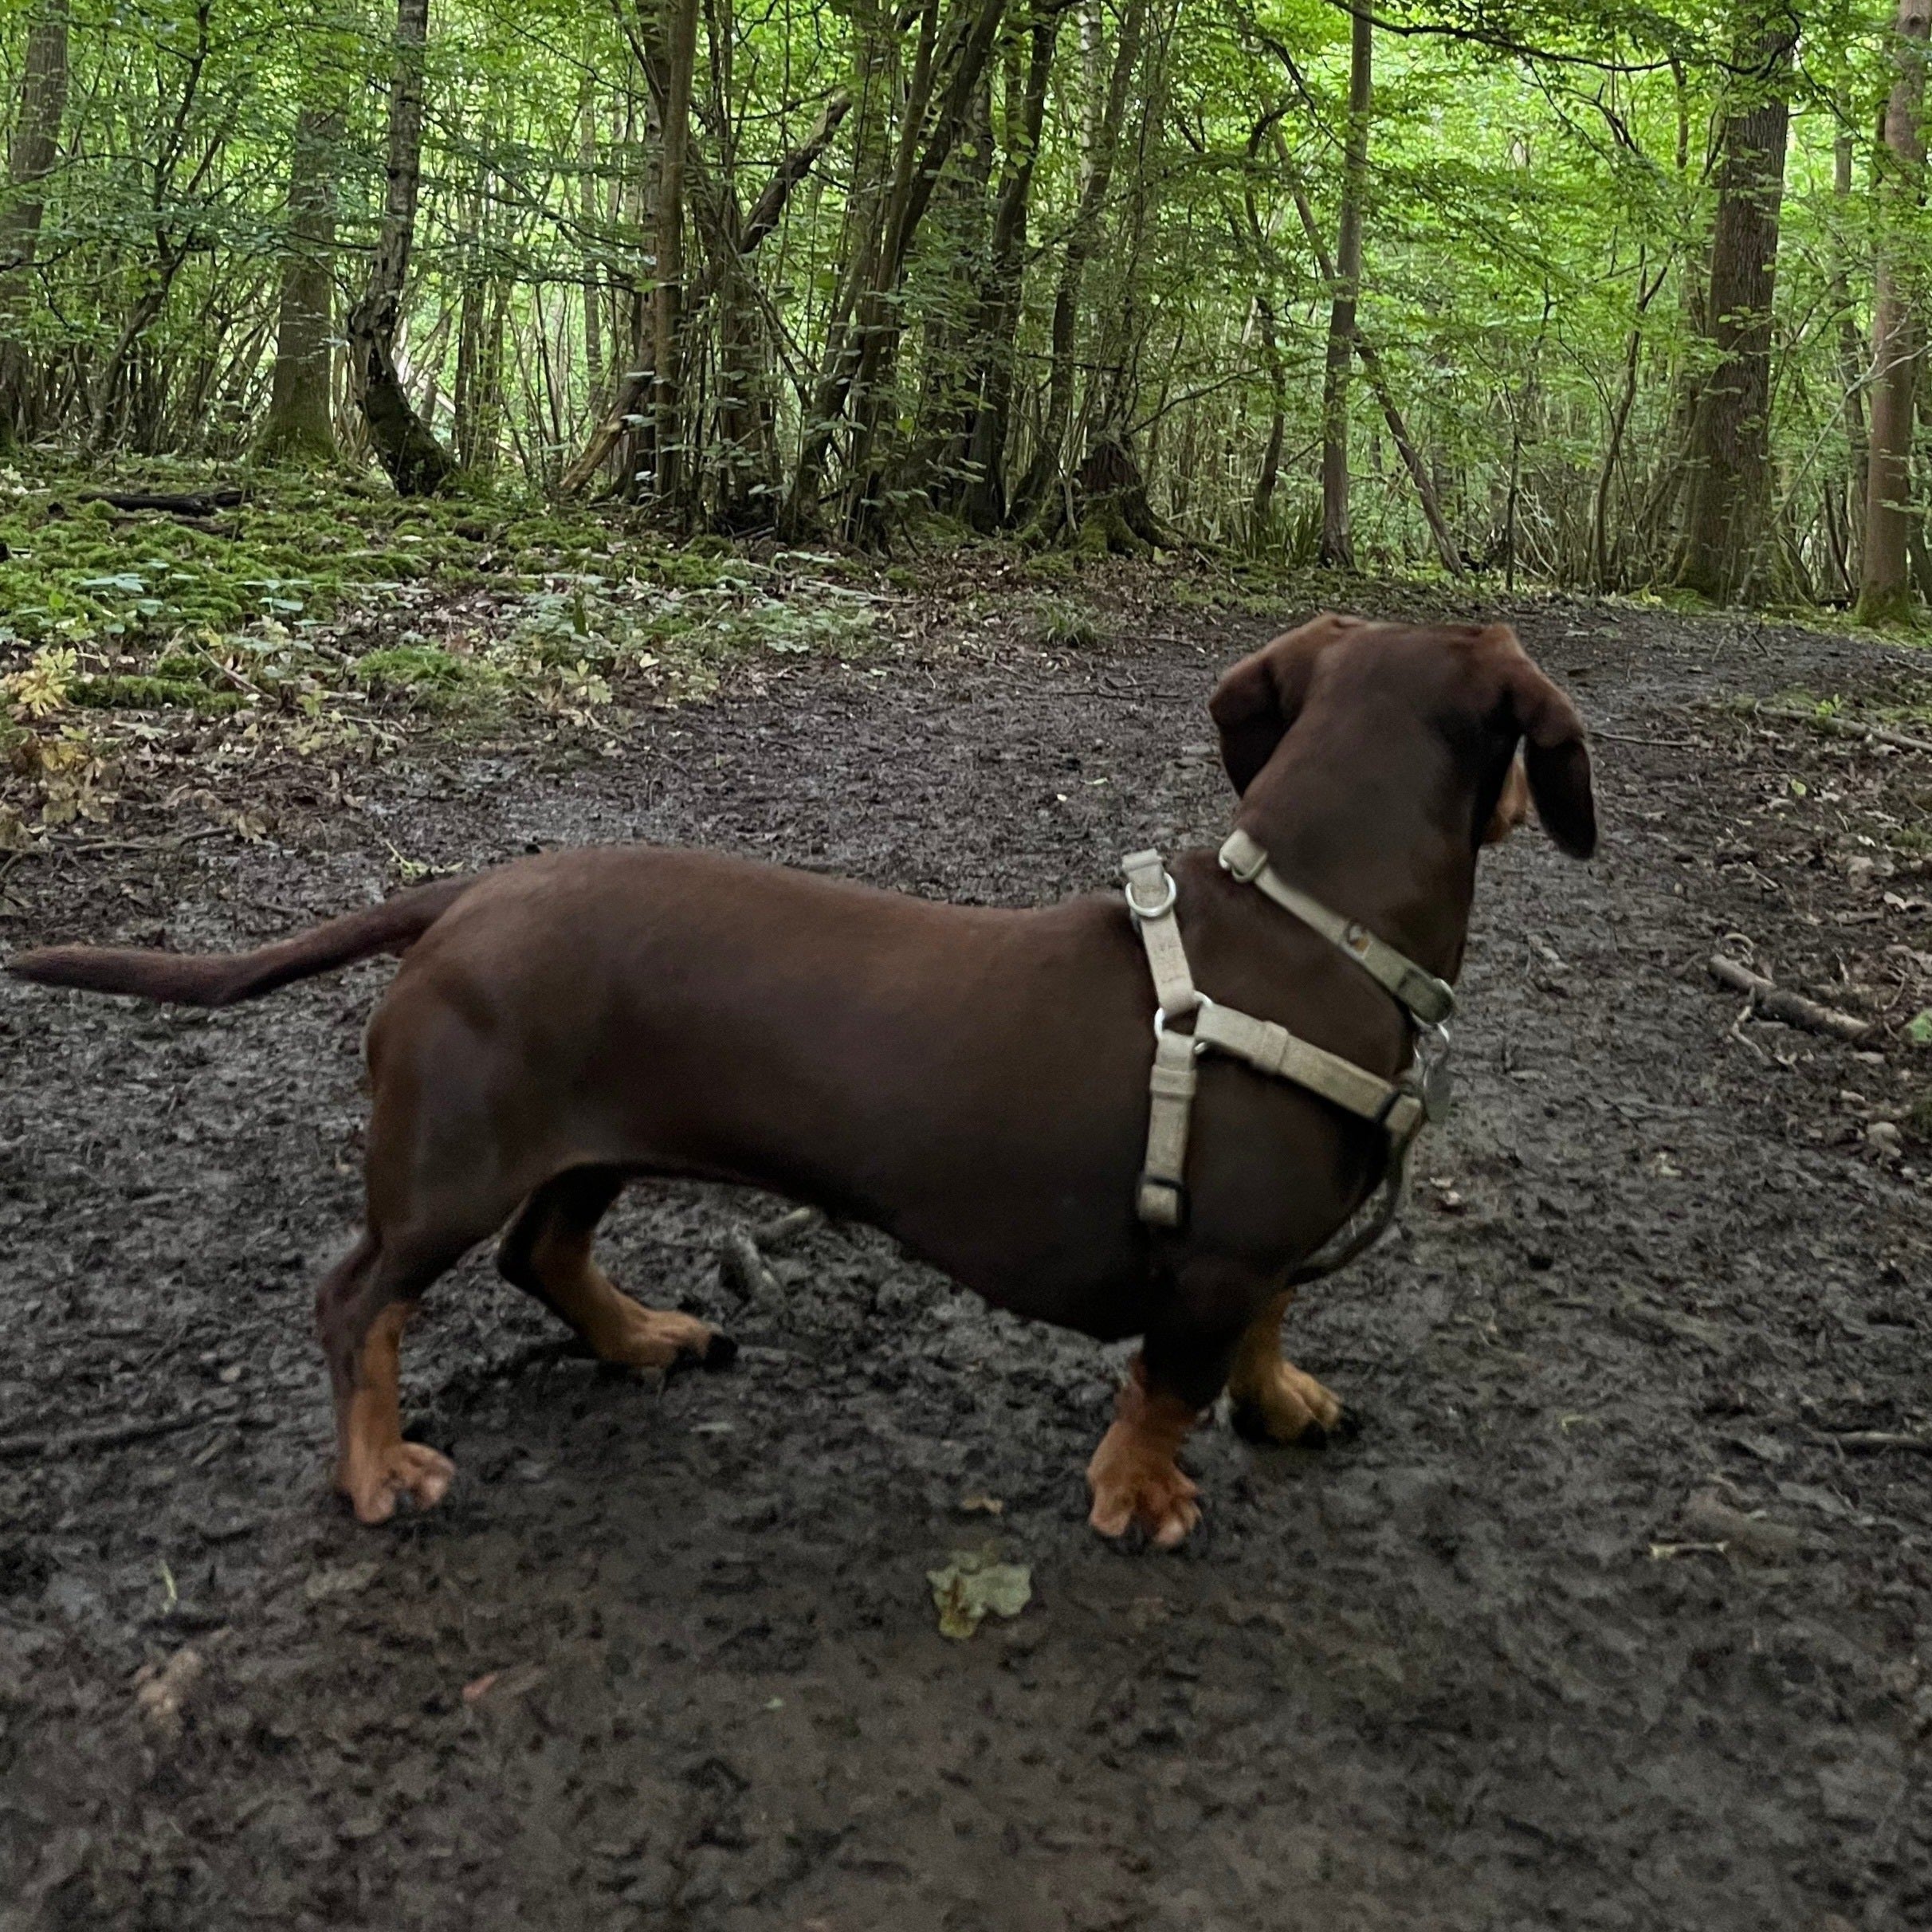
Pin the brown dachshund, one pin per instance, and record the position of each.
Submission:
(974, 1082)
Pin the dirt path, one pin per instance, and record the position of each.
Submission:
(1479, 1669)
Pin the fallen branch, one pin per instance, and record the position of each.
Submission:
(742, 1266)
(54, 1443)
(1793, 1009)
(1876, 1439)
(1835, 727)
(193, 503)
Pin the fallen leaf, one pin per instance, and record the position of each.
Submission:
(160, 1689)
(506, 1683)
(343, 1582)
(979, 1504)
(974, 1584)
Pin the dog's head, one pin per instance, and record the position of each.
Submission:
(1366, 688)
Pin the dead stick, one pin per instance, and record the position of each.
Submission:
(1836, 727)
(1792, 1008)
(742, 1268)
(1877, 1440)
(786, 1228)
(112, 1436)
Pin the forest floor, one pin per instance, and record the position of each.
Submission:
(1617, 1614)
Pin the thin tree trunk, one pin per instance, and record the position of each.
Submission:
(593, 279)
(30, 159)
(416, 463)
(1884, 592)
(1366, 352)
(1850, 362)
(764, 218)
(1338, 548)
(681, 57)
(856, 366)
(299, 424)
(1102, 137)
(1730, 437)
(999, 323)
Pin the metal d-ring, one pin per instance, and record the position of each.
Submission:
(1201, 1004)
(1159, 911)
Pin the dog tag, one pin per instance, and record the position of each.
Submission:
(1438, 1090)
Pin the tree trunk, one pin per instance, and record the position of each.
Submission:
(593, 278)
(1884, 592)
(1102, 137)
(681, 57)
(299, 425)
(1426, 493)
(1851, 364)
(30, 159)
(1730, 436)
(765, 215)
(985, 505)
(416, 463)
(1337, 547)
(856, 366)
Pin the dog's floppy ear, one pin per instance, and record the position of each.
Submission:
(1555, 759)
(1257, 699)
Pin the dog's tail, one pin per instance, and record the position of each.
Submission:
(221, 978)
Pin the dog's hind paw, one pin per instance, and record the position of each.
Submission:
(376, 1482)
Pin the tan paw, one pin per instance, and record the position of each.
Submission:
(1132, 1483)
(640, 1337)
(1284, 1405)
(375, 1481)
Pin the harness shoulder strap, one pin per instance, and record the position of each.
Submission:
(1431, 1000)
(1151, 895)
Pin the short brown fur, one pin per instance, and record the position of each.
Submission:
(974, 1082)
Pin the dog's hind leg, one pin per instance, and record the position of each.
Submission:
(1274, 1401)
(546, 1252)
(438, 1183)
(361, 1309)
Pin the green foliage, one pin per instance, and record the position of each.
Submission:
(1541, 198)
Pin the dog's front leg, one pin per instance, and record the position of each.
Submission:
(1274, 1401)
(1135, 1477)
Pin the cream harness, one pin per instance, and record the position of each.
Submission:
(1399, 1107)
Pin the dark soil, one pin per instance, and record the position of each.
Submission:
(1614, 1616)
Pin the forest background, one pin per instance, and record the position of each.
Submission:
(1617, 295)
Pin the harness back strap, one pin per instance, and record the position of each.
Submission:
(1430, 1000)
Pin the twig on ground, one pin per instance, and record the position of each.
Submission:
(111, 1435)
(1876, 1439)
(742, 1267)
(1793, 1009)
(1835, 727)
(1659, 744)
(172, 843)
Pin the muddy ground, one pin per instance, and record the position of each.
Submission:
(1614, 1616)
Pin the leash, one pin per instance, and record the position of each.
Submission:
(1401, 1108)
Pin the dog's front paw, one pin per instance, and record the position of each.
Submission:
(375, 1481)
(1133, 1482)
(1284, 1405)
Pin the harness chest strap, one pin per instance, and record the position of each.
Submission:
(1265, 1044)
